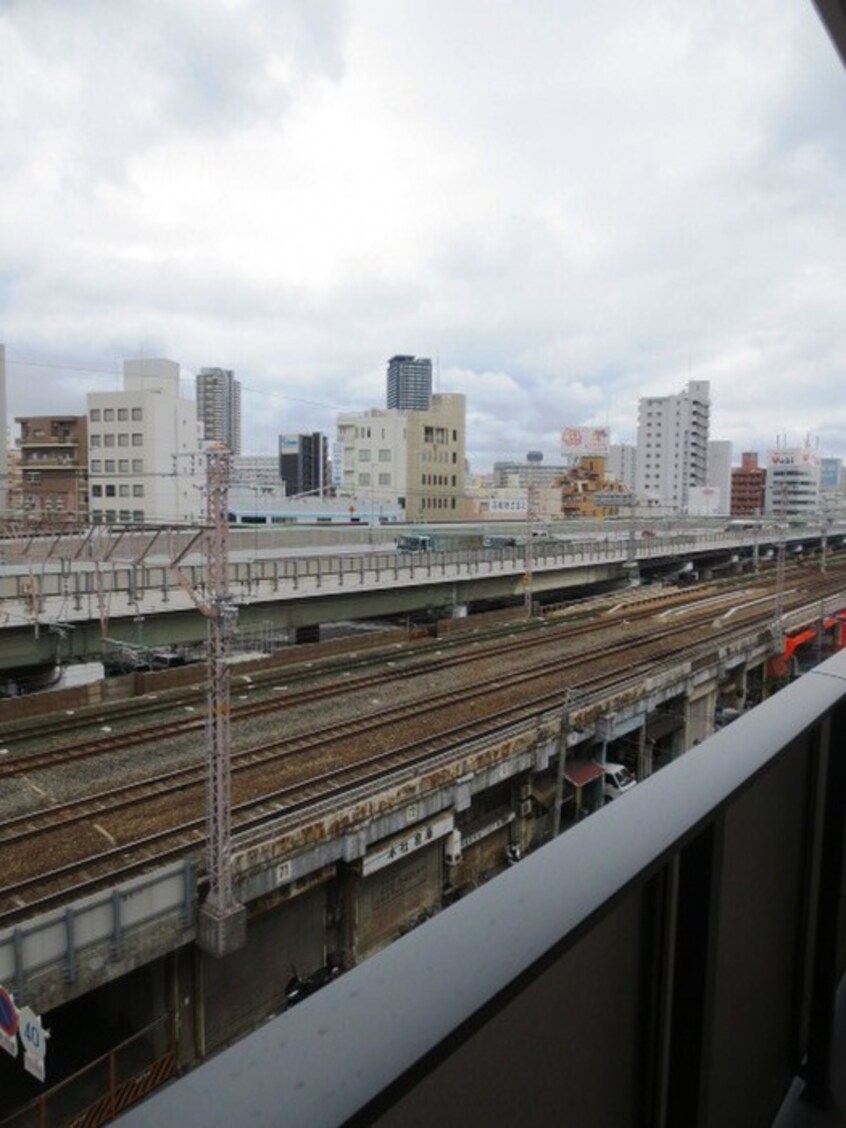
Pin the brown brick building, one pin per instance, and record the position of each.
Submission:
(748, 482)
(54, 468)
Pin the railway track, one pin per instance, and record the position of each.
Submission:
(400, 664)
(127, 828)
(294, 670)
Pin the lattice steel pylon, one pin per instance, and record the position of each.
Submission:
(781, 562)
(531, 516)
(222, 921)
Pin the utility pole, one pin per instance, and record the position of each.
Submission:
(532, 460)
(781, 553)
(222, 920)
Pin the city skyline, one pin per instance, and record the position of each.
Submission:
(583, 207)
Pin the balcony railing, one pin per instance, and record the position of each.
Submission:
(670, 961)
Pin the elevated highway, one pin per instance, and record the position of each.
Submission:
(63, 602)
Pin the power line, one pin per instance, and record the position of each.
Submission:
(92, 369)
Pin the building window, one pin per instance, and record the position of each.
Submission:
(364, 456)
(384, 456)
(384, 479)
(33, 475)
(123, 491)
(110, 466)
(94, 440)
(137, 440)
(96, 466)
(124, 515)
(138, 516)
(138, 466)
(109, 414)
(123, 466)
(137, 491)
(94, 415)
(137, 414)
(96, 491)
(364, 479)
(110, 491)
(108, 440)
(123, 439)
(123, 414)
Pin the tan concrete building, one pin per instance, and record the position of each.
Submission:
(54, 468)
(414, 459)
(583, 484)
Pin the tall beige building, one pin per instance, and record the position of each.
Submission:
(413, 459)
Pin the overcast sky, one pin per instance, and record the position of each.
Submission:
(567, 203)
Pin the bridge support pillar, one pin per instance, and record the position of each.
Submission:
(699, 718)
(644, 753)
(303, 635)
(220, 933)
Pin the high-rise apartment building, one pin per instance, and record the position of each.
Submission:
(672, 446)
(304, 464)
(146, 462)
(413, 459)
(219, 407)
(409, 383)
(54, 468)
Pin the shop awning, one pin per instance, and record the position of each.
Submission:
(581, 772)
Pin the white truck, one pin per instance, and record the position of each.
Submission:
(618, 779)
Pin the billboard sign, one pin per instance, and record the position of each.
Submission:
(585, 441)
(793, 457)
(503, 505)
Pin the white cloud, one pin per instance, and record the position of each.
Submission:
(572, 205)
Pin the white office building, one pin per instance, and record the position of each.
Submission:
(793, 483)
(146, 463)
(672, 446)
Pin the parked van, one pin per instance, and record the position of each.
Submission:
(618, 779)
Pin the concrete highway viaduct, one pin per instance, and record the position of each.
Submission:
(66, 602)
